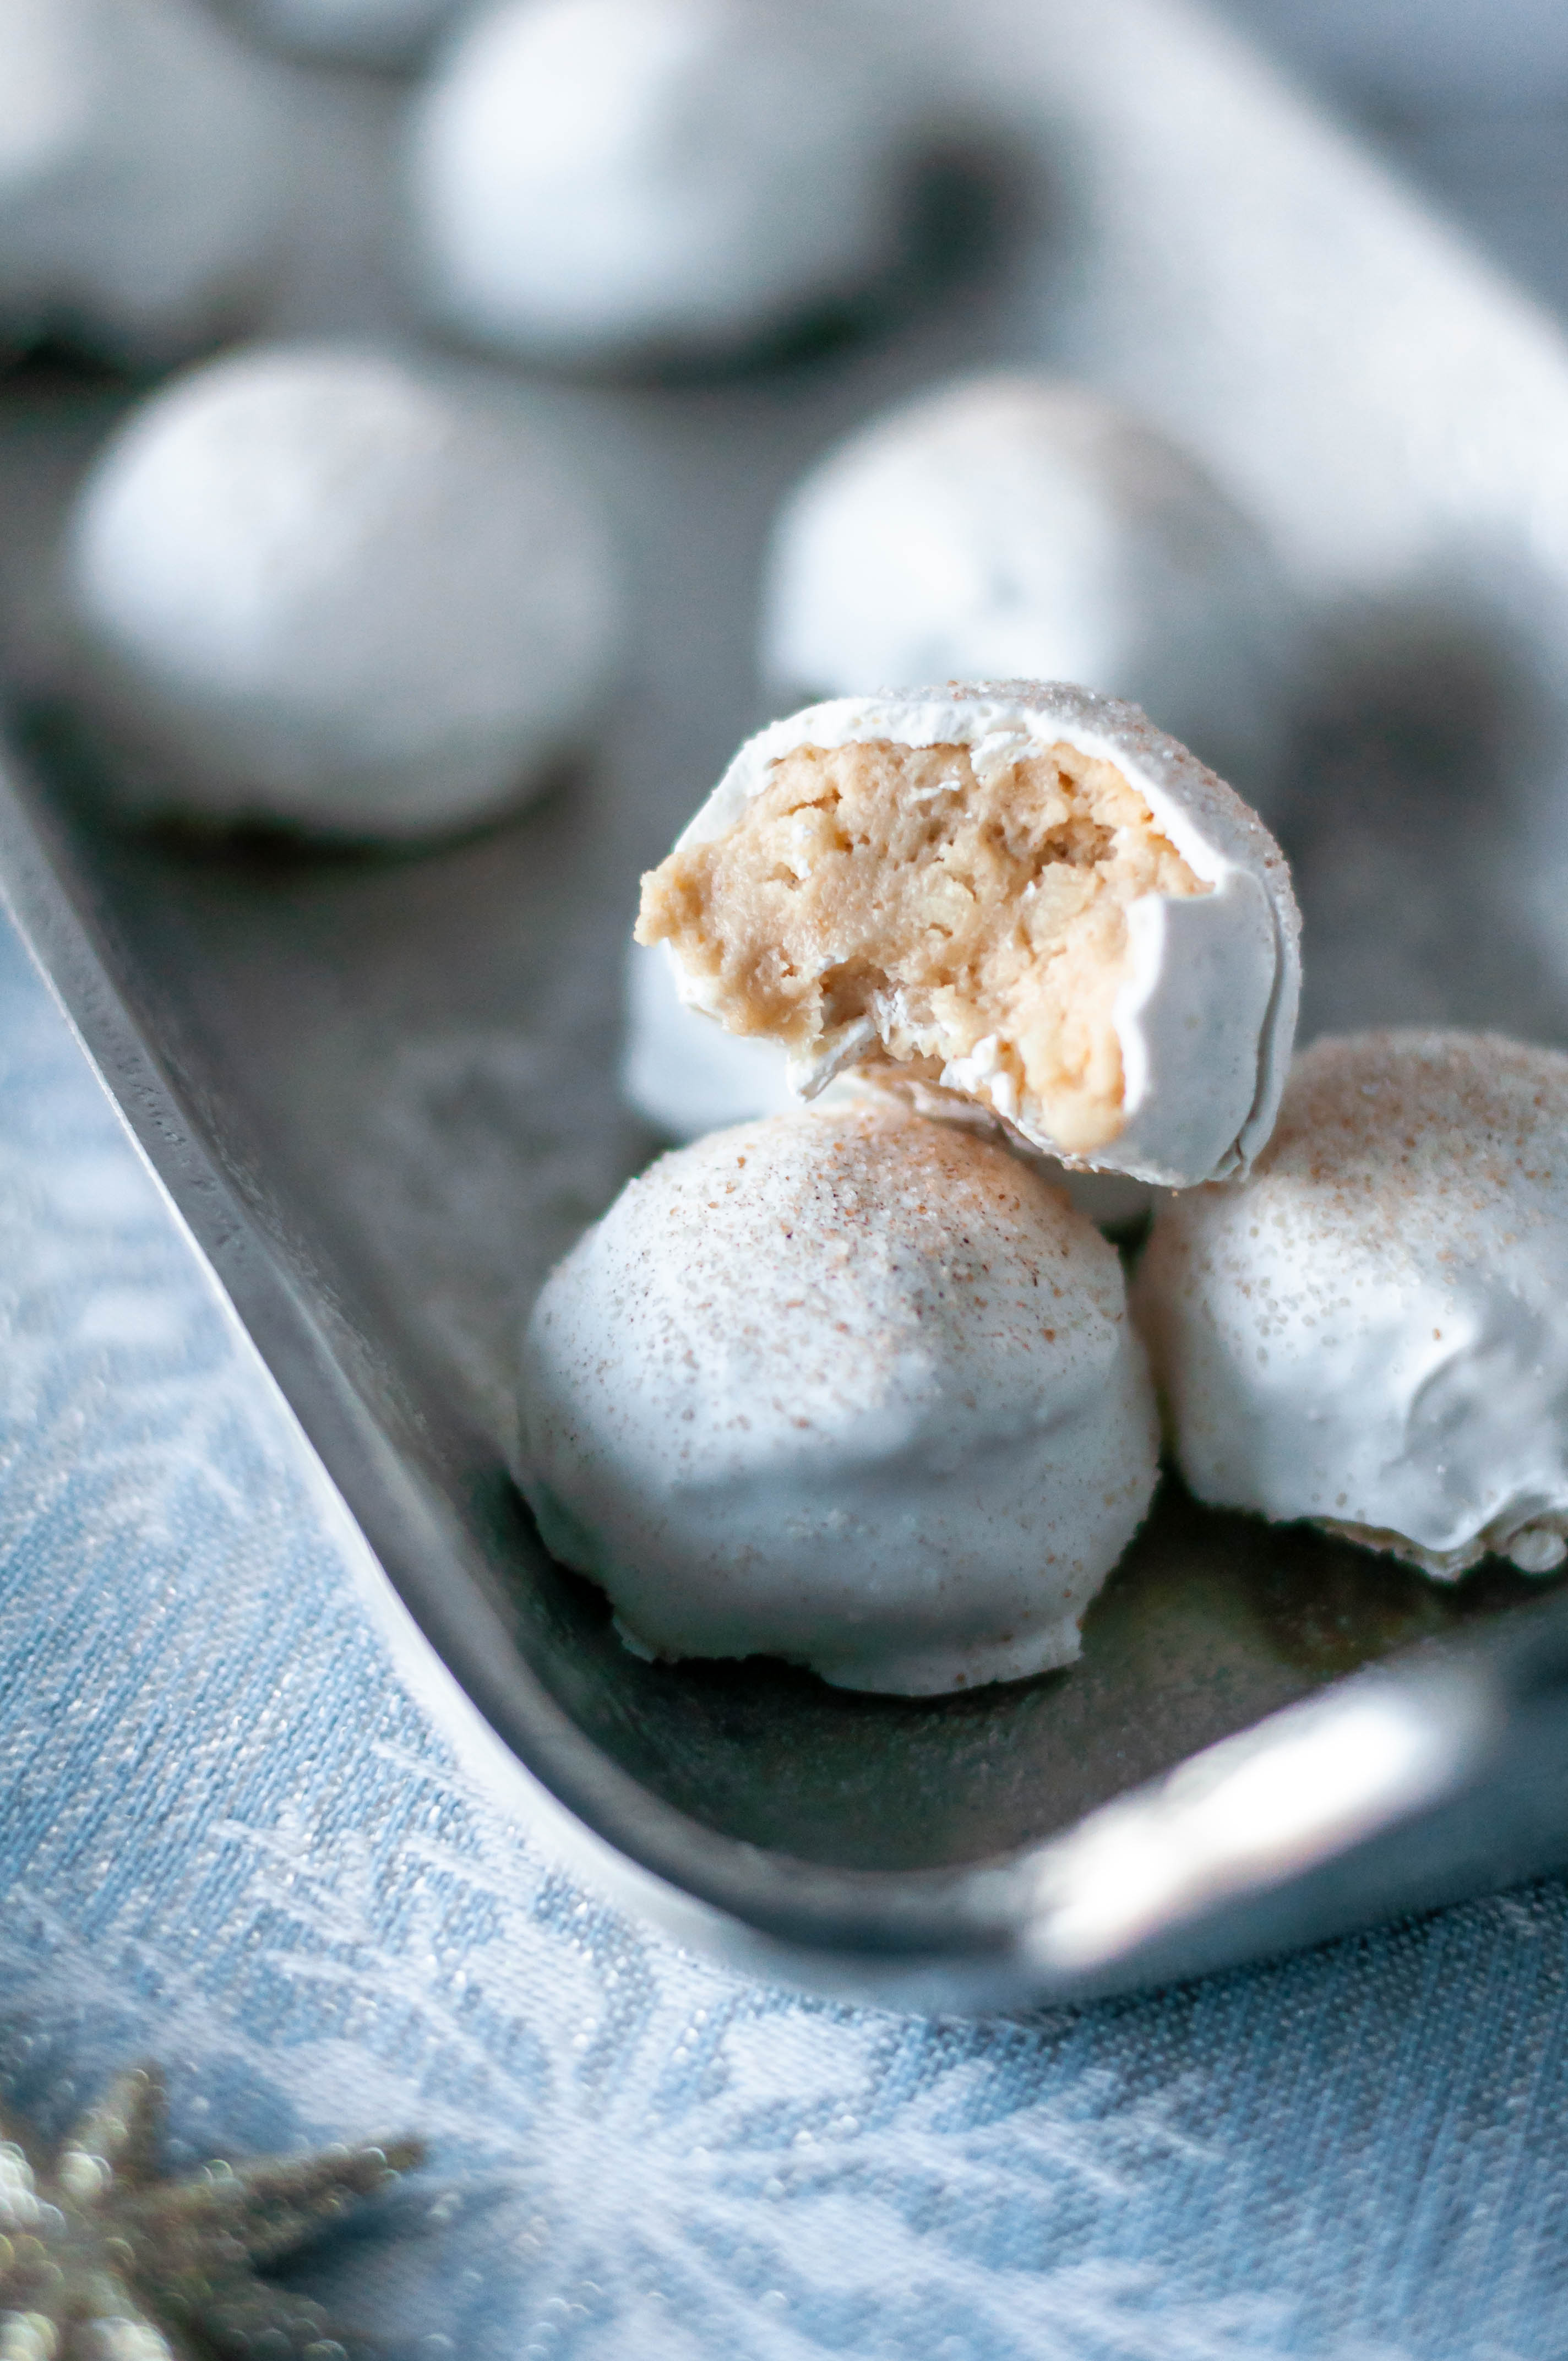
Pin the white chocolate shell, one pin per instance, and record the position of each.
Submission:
(340, 590)
(1372, 1330)
(144, 161)
(605, 181)
(843, 1387)
(1205, 1011)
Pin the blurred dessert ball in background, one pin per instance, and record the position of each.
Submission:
(143, 175)
(1018, 526)
(339, 590)
(352, 32)
(604, 182)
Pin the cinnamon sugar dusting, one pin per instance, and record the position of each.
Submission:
(848, 1388)
(1394, 1127)
(1372, 1330)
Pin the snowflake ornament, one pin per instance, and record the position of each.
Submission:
(103, 2257)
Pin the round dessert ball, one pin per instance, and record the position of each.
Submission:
(844, 1387)
(1015, 892)
(143, 175)
(621, 179)
(340, 591)
(359, 32)
(1021, 527)
(1372, 1330)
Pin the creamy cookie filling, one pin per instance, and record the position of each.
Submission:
(961, 916)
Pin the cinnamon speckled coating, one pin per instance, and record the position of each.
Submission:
(848, 1388)
(1372, 1330)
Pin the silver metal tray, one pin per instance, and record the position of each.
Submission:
(381, 1090)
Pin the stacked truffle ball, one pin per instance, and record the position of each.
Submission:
(1000, 525)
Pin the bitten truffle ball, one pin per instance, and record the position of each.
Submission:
(1372, 1330)
(1019, 893)
(340, 591)
(607, 180)
(1024, 527)
(847, 1387)
(143, 175)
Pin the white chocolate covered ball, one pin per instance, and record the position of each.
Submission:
(1017, 892)
(847, 1387)
(143, 175)
(341, 592)
(359, 32)
(610, 180)
(1372, 1330)
(1024, 527)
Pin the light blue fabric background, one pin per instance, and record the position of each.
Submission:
(229, 1840)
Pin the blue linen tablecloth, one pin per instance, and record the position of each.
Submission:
(231, 1840)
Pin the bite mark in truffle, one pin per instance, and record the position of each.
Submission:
(969, 913)
(1016, 895)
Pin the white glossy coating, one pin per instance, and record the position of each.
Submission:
(598, 178)
(1019, 526)
(341, 590)
(143, 173)
(1207, 1013)
(844, 1387)
(1372, 1331)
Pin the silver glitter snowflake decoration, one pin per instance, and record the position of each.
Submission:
(103, 2257)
